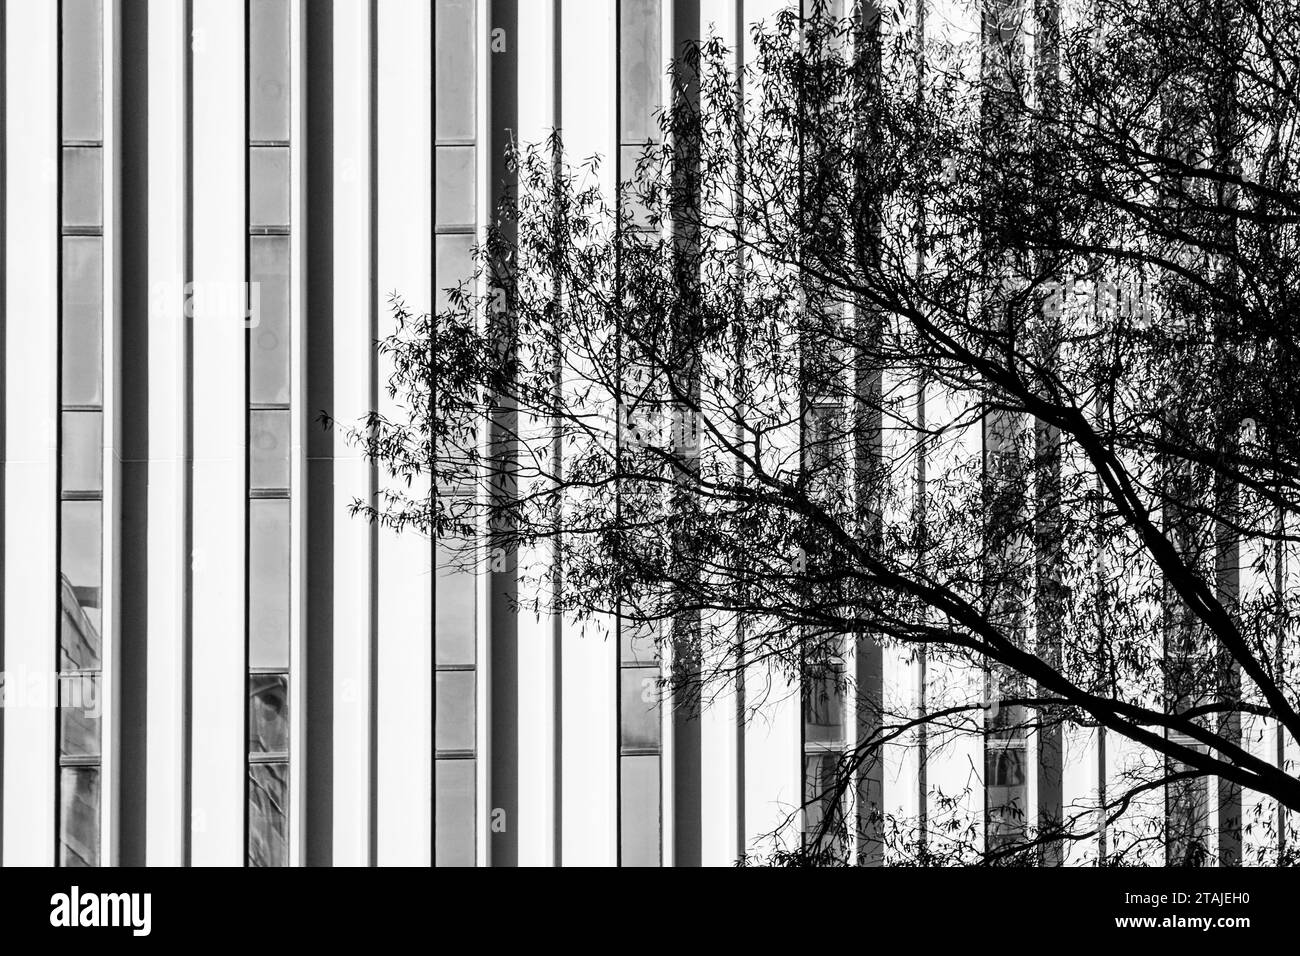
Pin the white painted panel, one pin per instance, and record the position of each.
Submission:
(218, 333)
(165, 721)
(404, 692)
(537, 726)
(353, 363)
(31, 403)
(590, 746)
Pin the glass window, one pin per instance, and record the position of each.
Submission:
(454, 710)
(83, 296)
(268, 358)
(268, 70)
(80, 559)
(82, 71)
(1004, 766)
(637, 643)
(454, 186)
(453, 812)
(453, 609)
(636, 168)
(823, 709)
(641, 70)
(269, 458)
(79, 715)
(639, 810)
(268, 713)
(81, 452)
(639, 694)
(83, 187)
(268, 583)
(79, 816)
(820, 792)
(454, 264)
(268, 814)
(453, 69)
(268, 186)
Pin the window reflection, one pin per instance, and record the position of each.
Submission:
(454, 710)
(639, 705)
(453, 69)
(268, 713)
(454, 812)
(79, 816)
(268, 583)
(268, 814)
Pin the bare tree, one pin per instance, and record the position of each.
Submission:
(927, 348)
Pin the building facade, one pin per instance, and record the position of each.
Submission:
(208, 660)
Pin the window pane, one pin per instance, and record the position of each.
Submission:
(454, 186)
(453, 69)
(268, 186)
(82, 75)
(268, 814)
(82, 187)
(453, 813)
(268, 713)
(639, 810)
(635, 169)
(454, 264)
(269, 440)
(637, 643)
(268, 583)
(79, 816)
(268, 358)
(268, 70)
(823, 710)
(453, 609)
(83, 348)
(79, 715)
(454, 712)
(820, 792)
(81, 451)
(641, 70)
(639, 693)
(79, 566)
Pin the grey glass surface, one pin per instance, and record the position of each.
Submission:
(637, 643)
(268, 814)
(453, 816)
(641, 70)
(268, 714)
(639, 813)
(453, 200)
(454, 606)
(80, 716)
(268, 70)
(83, 326)
(268, 186)
(454, 710)
(268, 358)
(82, 81)
(639, 702)
(453, 265)
(81, 579)
(83, 187)
(79, 816)
(81, 452)
(268, 583)
(636, 169)
(453, 69)
(268, 439)
(823, 710)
